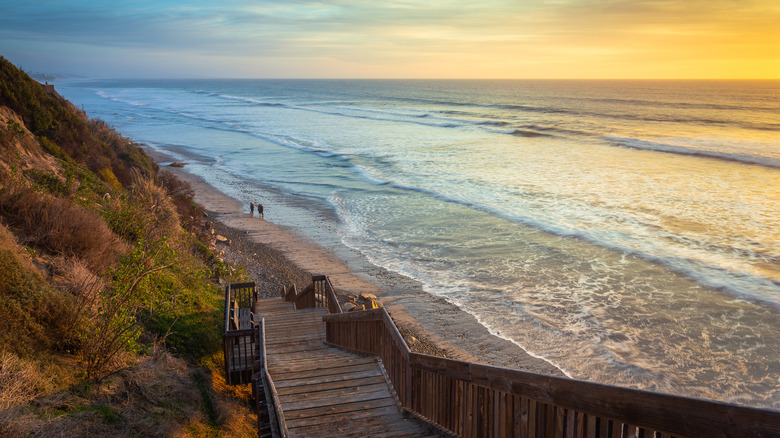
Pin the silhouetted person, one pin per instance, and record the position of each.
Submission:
(252, 209)
(259, 210)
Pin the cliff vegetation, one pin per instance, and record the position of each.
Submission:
(109, 304)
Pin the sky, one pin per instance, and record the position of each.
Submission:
(533, 39)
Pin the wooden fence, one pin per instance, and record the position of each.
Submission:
(474, 400)
(238, 338)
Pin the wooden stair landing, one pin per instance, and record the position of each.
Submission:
(325, 391)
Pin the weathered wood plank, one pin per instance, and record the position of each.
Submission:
(309, 387)
(301, 349)
(279, 373)
(340, 389)
(291, 414)
(343, 417)
(369, 427)
(327, 361)
(325, 391)
(324, 379)
(334, 398)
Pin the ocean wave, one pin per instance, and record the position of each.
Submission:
(373, 114)
(528, 133)
(686, 256)
(542, 131)
(492, 123)
(115, 98)
(249, 100)
(634, 143)
(622, 115)
(677, 104)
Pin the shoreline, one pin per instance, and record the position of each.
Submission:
(437, 325)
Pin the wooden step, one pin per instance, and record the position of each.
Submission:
(325, 391)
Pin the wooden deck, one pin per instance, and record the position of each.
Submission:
(325, 391)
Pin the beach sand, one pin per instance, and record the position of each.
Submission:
(274, 254)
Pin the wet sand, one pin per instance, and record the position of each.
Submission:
(274, 254)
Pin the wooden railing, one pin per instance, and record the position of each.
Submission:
(262, 380)
(238, 339)
(474, 400)
(319, 293)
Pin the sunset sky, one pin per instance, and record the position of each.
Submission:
(395, 38)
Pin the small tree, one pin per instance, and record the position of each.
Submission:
(122, 310)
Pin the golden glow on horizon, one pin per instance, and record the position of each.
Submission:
(562, 39)
(609, 39)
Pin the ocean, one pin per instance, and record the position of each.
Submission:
(628, 232)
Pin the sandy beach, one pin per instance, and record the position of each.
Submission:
(274, 254)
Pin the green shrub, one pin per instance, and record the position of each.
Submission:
(108, 176)
(14, 129)
(52, 148)
(48, 181)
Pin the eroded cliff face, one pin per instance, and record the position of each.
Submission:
(20, 150)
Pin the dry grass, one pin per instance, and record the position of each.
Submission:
(8, 242)
(158, 396)
(20, 380)
(162, 217)
(76, 277)
(58, 255)
(182, 194)
(61, 227)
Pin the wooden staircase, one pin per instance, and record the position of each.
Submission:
(325, 391)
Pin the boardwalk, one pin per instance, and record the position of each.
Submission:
(325, 391)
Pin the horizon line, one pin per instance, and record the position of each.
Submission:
(55, 77)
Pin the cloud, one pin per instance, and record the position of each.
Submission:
(500, 37)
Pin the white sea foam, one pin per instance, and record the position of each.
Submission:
(617, 224)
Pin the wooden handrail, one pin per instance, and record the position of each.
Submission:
(279, 421)
(472, 399)
(320, 293)
(362, 315)
(278, 424)
(333, 303)
(379, 314)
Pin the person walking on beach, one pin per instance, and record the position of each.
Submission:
(252, 209)
(260, 210)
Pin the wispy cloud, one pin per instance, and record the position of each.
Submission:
(390, 38)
